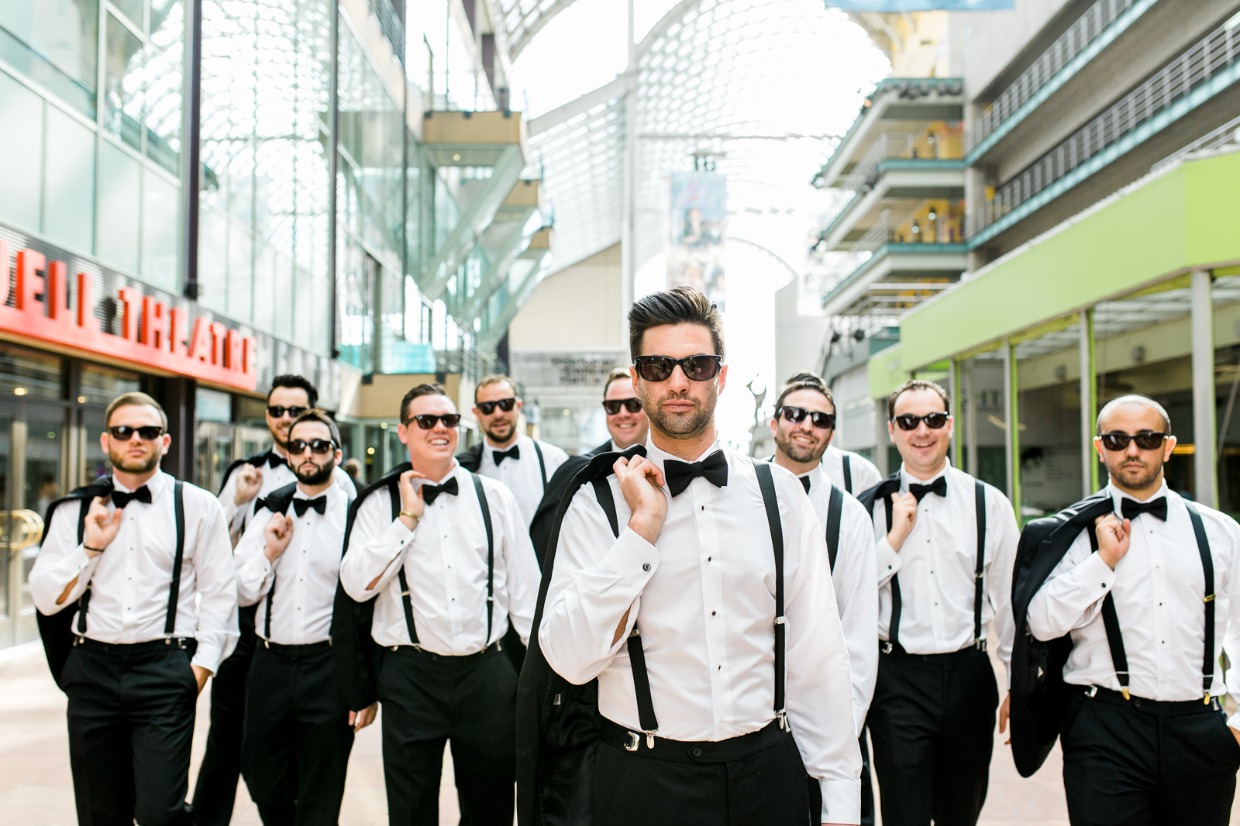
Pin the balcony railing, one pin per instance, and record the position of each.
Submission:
(1212, 56)
(1080, 34)
(888, 147)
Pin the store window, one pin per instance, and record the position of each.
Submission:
(1049, 438)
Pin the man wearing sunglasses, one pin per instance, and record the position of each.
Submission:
(523, 464)
(298, 727)
(807, 429)
(246, 482)
(945, 545)
(1147, 615)
(803, 425)
(678, 612)
(144, 562)
(627, 425)
(440, 559)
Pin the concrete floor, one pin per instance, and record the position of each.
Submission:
(36, 790)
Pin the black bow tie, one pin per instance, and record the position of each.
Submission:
(431, 492)
(1131, 508)
(513, 452)
(714, 469)
(121, 499)
(938, 486)
(274, 459)
(804, 482)
(318, 503)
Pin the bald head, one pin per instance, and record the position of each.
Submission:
(1131, 400)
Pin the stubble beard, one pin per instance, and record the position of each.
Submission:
(321, 475)
(135, 466)
(802, 455)
(682, 425)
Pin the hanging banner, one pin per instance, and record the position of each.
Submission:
(918, 5)
(699, 213)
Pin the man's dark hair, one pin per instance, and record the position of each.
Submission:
(314, 414)
(679, 305)
(616, 375)
(805, 381)
(430, 389)
(495, 378)
(917, 384)
(293, 380)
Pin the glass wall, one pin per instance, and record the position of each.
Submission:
(981, 418)
(1049, 420)
(1227, 390)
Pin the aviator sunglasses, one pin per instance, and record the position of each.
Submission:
(696, 368)
(908, 421)
(488, 408)
(1146, 439)
(276, 411)
(147, 433)
(319, 447)
(825, 421)
(426, 421)
(612, 406)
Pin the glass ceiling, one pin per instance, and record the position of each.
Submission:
(762, 88)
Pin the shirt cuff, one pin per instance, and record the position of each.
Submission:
(1095, 577)
(633, 558)
(208, 656)
(841, 801)
(887, 560)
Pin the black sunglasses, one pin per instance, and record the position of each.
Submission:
(612, 406)
(426, 421)
(487, 408)
(826, 421)
(933, 421)
(319, 447)
(696, 368)
(1146, 439)
(148, 433)
(275, 411)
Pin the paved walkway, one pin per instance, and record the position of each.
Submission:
(36, 790)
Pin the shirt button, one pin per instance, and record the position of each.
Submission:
(645, 566)
(712, 613)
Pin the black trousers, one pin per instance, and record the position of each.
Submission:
(295, 751)
(131, 722)
(758, 778)
(932, 726)
(467, 702)
(1134, 762)
(216, 789)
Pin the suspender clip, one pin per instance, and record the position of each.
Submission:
(981, 644)
(885, 646)
(1209, 598)
(636, 632)
(1092, 691)
(1207, 699)
(782, 716)
(650, 738)
(633, 742)
(781, 620)
(1124, 691)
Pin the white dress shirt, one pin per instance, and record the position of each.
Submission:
(937, 566)
(130, 580)
(856, 590)
(705, 597)
(305, 575)
(522, 475)
(1158, 587)
(445, 561)
(273, 478)
(865, 474)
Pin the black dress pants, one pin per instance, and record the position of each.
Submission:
(216, 789)
(131, 722)
(295, 751)
(758, 778)
(1139, 762)
(931, 725)
(467, 702)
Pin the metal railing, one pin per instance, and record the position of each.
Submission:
(1227, 135)
(392, 24)
(891, 146)
(1067, 46)
(1216, 52)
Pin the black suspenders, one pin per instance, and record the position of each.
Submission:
(847, 473)
(835, 510)
(174, 590)
(404, 581)
(893, 634)
(542, 464)
(637, 655)
(1110, 620)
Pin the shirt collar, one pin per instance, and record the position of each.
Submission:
(658, 456)
(1118, 495)
(907, 479)
(156, 484)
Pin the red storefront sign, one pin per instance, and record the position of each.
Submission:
(153, 334)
